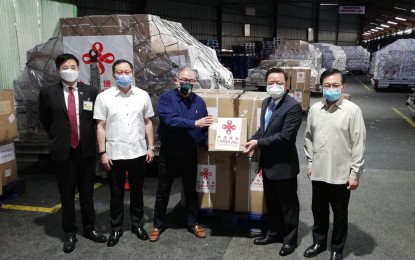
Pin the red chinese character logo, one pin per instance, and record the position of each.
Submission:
(259, 172)
(205, 174)
(229, 127)
(102, 57)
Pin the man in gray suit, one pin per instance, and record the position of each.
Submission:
(281, 117)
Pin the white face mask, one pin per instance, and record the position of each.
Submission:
(275, 91)
(69, 75)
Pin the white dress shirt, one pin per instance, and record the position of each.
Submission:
(124, 127)
(335, 142)
(75, 93)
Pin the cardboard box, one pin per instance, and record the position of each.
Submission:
(220, 105)
(217, 91)
(300, 78)
(214, 183)
(8, 166)
(249, 191)
(302, 96)
(8, 123)
(249, 107)
(223, 135)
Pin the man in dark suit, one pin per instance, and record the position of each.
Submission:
(66, 111)
(281, 118)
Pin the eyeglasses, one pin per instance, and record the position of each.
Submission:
(126, 72)
(191, 81)
(334, 85)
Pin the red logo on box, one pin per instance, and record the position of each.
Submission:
(229, 127)
(102, 57)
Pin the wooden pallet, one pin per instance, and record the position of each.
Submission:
(12, 190)
(225, 220)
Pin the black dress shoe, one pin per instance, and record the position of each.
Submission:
(314, 250)
(336, 256)
(114, 238)
(95, 236)
(69, 243)
(267, 240)
(140, 232)
(287, 249)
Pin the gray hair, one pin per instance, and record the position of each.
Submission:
(187, 68)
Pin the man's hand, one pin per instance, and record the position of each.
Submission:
(250, 146)
(353, 184)
(149, 156)
(309, 172)
(106, 161)
(204, 121)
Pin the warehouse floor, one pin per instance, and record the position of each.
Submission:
(381, 212)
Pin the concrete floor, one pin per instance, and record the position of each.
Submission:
(381, 212)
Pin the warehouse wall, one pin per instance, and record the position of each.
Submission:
(25, 24)
(294, 20)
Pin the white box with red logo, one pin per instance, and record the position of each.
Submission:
(228, 135)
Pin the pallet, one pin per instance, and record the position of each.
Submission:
(12, 190)
(386, 83)
(227, 220)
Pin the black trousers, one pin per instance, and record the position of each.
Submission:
(116, 176)
(173, 164)
(76, 173)
(283, 208)
(337, 196)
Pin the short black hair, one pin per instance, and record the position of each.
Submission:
(276, 70)
(328, 73)
(61, 59)
(119, 62)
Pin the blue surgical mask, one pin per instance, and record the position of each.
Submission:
(332, 94)
(124, 81)
(185, 88)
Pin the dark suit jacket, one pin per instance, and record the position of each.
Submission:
(279, 158)
(54, 118)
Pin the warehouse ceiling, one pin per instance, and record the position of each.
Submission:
(381, 18)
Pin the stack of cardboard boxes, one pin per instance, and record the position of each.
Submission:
(226, 178)
(8, 132)
(299, 82)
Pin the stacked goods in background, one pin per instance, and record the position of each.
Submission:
(239, 64)
(8, 132)
(357, 58)
(333, 57)
(395, 62)
(289, 53)
(159, 48)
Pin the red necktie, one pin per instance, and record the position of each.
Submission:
(72, 119)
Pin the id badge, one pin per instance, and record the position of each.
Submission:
(88, 105)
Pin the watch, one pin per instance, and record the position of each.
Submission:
(152, 148)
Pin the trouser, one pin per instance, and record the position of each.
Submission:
(116, 176)
(170, 165)
(337, 196)
(283, 208)
(76, 173)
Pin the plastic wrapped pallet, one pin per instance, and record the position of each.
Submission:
(396, 61)
(159, 48)
(333, 57)
(290, 53)
(357, 58)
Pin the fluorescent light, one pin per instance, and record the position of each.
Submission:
(374, 23)
(374, 30)
(380, 28)
(408, 31)
(384, 25)
(329, 4)
(400, 19)
(400, 32)
(399, 8)
(413, 10)
(390, 22)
